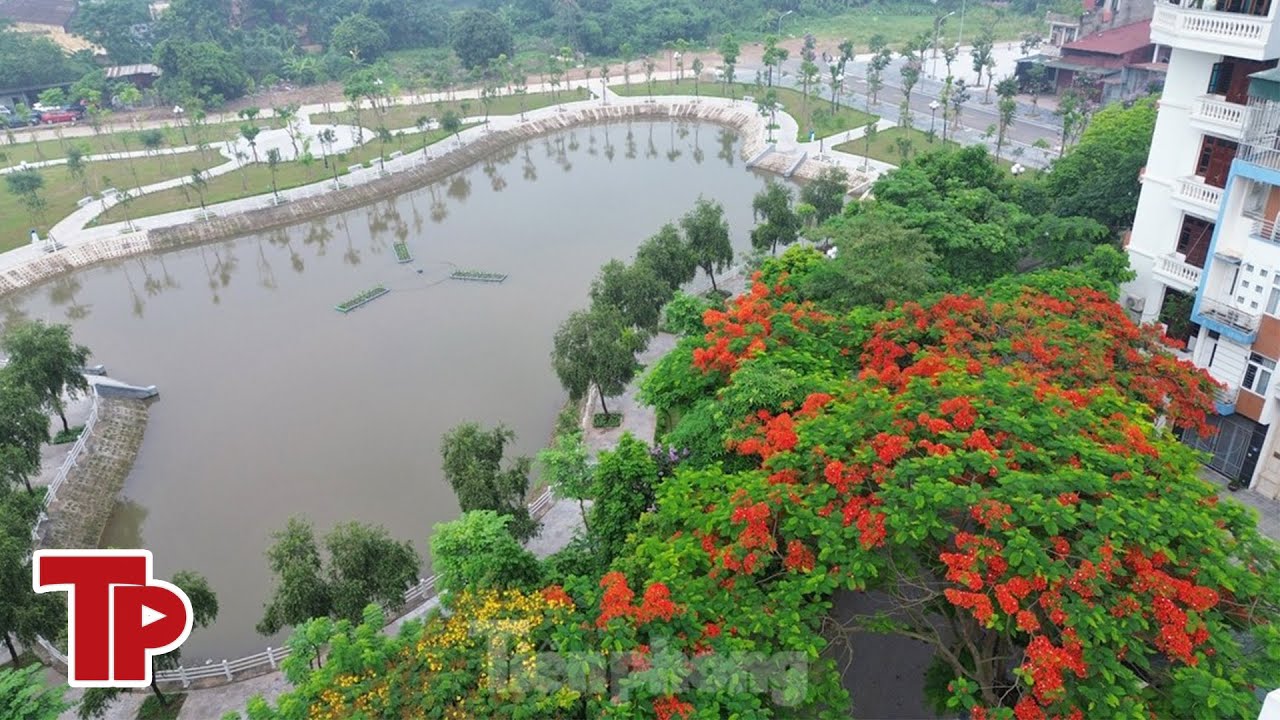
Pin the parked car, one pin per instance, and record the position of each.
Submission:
(61, 115)
(10, 119)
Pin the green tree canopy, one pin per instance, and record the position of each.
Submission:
(826, 192)
(359, 37)
(1098, 178)
(472, 460)
(669, 256)
(24, 695)
(45, 358)
(596, 347)
(479, 36)
(635, 290)
(778, 222)
(24, 428)
(707, 233)
(877, 260)
(476, 551)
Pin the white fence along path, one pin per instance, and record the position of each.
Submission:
(227, 671)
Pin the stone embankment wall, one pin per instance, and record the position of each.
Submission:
(79, 512)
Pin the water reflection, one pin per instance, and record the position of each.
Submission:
(125, 527)
(395, 375)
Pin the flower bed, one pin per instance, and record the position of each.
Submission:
(478, 276)
(606, 420)
(402, 252)
(365, 297)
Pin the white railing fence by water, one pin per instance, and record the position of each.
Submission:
(73, 457)
(269, 659)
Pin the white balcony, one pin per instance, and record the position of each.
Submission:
(1185, 26)
(1213, 114)
(1172, 271)
(1196, 196)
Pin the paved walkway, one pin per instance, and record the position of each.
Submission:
(1268, 509)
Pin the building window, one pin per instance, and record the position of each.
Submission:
(1193, 239)
(1274, 302)
(1258, 375)
(1215, 159)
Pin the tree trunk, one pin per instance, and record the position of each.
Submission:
(155, 688)
(582, 508)
(603, 407)
(8, 641)
(63, 416)
(712, 275)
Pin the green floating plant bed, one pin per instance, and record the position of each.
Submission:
(478, 276)
(402, 252)
(363, 298)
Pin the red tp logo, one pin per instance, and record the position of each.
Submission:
(119, 617)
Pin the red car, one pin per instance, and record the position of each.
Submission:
(52, 117)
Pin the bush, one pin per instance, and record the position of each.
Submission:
(66, 436)
(683, 314)
(606, 420)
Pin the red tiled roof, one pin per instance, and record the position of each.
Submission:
(1117, 41)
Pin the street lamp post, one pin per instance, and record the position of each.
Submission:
(937, 28)
(933, 116)
(780, 17)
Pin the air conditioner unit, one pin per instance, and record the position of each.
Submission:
(1135, 303)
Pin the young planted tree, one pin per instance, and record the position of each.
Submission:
(44, 358)
(982, 56)
(273, 165)
(77, 160)
(881, 56)
(773, 58)
(452, 124)
(1008, 108)
(384, 137)
(565, 468)
(27, 185)
(777, 223)
(472, 460)
(729, 52)
(250, 133)
(596, 347)
(707, 234)
(697, 68)
(200, 185)
(478, 552)
(868, 137)
(959, 96)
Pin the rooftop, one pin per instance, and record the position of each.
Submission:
(1119, 41)
(120, 71)
(38, 12)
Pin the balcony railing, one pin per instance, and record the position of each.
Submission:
(1265, 230)
(1177, 273)
(1197, 192)
(1218, 114)
(1196, 25)
(1229, 315)
(1224, 399)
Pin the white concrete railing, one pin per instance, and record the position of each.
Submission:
(269, 660)
(1198, 192)
(1174, 268)
(72, 458)
(1216, 111)
(1210, 25)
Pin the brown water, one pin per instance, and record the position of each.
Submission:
(272, 404)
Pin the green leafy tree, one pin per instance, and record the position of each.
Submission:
(27, 186)
(565, 468)
(697, 68)
(478, 552)
(774, 56)
(250, 134)
(729, 52)
(53, 97)
(472, 460)
(597, 348)
(273, 165)
(24, 428)
(981, 53)
(452, 124)
(777, 223)
(24, 695)
(1110, 154)
(877, 261)
(707, 234)
(25, 614)
(359, 38)
(826, 192)
(478, 36)
(365, 565)
(77, 159)
(669, 257)
(635, 290)
(45, 358)
(625, 478)
(1007, 108)
(199, 184)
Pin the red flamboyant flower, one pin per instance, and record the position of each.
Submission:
(670, 706)
(656, 604)
(799, 557)
(616, 601)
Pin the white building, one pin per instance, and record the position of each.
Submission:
(1204, 236)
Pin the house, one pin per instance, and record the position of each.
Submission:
(141, 76)
(1204, 246)
(1094, 17)
(1117, 64)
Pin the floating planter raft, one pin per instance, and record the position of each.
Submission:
(477, 276)
(363, 298)
(402, 253)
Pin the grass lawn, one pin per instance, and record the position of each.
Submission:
(255, 179)
(899, 26)
(61, 190)
(12, 154)
(884, 146)
(406, 116)
(816, 115)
